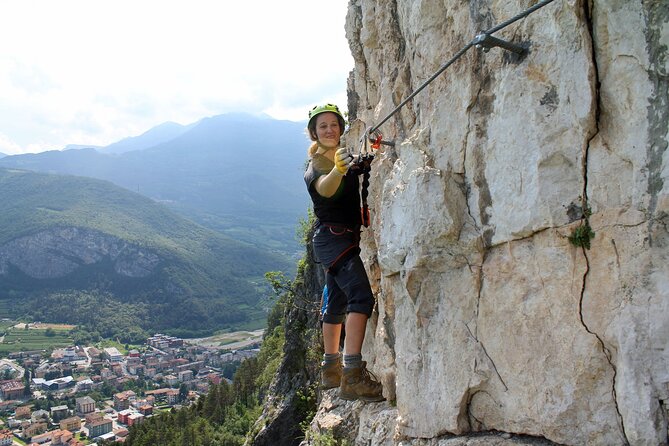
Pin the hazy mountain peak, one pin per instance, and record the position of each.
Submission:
(80, 147)
(159, 134)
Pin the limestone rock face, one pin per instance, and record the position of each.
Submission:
(489, 318)
(58, 252)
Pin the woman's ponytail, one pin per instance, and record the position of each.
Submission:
(312, 149)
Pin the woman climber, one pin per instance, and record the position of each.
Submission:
(335, 193)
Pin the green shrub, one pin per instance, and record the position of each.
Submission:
(582, 235)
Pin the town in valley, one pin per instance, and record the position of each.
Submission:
(82, 395)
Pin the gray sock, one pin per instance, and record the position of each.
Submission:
(331, 358)
(352, 361)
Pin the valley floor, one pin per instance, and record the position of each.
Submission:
(230, 341)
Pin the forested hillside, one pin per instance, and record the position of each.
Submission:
(106, 254)
(280, 383)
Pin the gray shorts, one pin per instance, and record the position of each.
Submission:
(336, 248)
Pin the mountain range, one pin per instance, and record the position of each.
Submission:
(235, 173)
(171, 230)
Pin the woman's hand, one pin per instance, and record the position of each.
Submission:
(327, 185)
(343, 161)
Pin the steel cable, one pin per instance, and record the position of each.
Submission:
(459, 54)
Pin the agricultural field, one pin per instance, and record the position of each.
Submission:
(6, 324)
(22, 337)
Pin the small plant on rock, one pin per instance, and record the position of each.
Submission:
(582, 235)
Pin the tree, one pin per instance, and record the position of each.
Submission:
(26, 381)
(183, 392)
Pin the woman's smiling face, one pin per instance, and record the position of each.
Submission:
(328, 131)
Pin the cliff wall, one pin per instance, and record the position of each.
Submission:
(57, 252)
(489, 319)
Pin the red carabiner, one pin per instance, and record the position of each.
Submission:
(377, 142)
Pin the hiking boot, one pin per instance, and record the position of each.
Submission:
(330, 375)
(360, 384)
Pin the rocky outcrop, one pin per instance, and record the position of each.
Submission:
(489, 319)
(289, 400)
(57, 252)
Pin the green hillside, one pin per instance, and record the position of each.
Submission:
(204, 281)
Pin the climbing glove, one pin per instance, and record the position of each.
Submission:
(343, 160)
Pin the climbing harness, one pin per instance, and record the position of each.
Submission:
(483, 41)
(362, 163)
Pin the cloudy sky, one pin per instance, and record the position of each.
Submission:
(96, 71)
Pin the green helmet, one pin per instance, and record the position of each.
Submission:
(317, 110)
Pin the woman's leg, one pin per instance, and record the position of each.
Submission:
(356, 323)
(331, 334)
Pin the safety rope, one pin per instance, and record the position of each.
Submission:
(482, 40)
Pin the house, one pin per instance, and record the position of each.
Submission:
(6, 406)
(136, 369)
(172, 396)
(61, 437)
(59, 412)
(146, 410)
(139, 402)
(94, 416)
(12, 390)
(69, 354)
(123, 416)
(39, 415)
(135, 418)
(109, 436)
(162, 342)
(42, 438)
(122, 399)
(94, 353)
(121, 433)
(151, 361)
(214, 378)
(84, 385)
(54, 438)
(171, 380)
(22, 412)
(13, 423)
(112, 354)
(202, 386)
(185, 375)
(6, 437)
(180, 363)
(85, 405)
(99, 427)
(71, 424)
(117, 369)
(32, 429)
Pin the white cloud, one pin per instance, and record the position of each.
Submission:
(93, 72)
